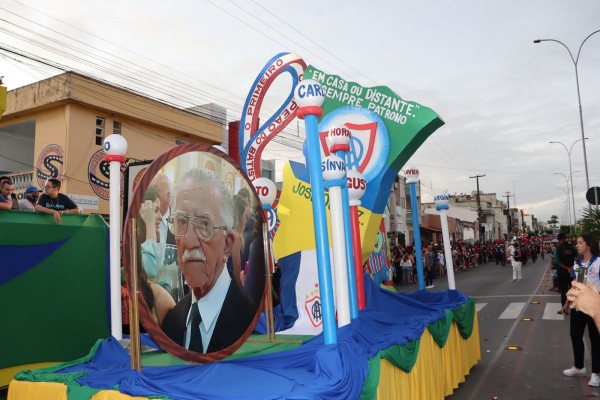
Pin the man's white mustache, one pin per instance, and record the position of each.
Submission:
(194, 255)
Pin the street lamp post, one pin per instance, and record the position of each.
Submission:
(575, 61)
(568, 207)
(571, 171)
(567, 192)
(566, 203)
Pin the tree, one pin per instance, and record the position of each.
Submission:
(590, 222)
(553, 222)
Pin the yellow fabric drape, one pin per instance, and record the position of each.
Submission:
(23, 390)
(437, 372)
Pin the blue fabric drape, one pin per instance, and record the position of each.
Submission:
(312, 371)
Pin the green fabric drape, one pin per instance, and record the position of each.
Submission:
(441, 329)
(372, 381)
(464, 316)
(402, 356)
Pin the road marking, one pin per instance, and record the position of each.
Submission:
(502, 296)
(479, 306)
(551, 311)
(512, 311)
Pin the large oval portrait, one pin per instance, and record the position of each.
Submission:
(200, 253)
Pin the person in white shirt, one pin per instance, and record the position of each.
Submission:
(587, 270)
(515, 259)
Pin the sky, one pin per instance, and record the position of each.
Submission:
(502, 97)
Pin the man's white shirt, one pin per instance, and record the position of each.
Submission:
(210, 308)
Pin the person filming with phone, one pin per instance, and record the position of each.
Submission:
(586, 269)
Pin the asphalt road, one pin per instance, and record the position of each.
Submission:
(535, 370)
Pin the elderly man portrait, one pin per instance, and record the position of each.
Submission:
(215, 313)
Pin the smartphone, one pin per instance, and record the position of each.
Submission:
(582, 275)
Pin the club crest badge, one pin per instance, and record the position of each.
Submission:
(369, 138)
(312, 306)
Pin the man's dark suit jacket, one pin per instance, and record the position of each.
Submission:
(233, 320)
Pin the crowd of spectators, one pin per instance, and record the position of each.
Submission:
(465, 256)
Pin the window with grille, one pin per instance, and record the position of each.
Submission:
(116, 128)
(99, 130)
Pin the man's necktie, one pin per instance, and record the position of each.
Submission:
(196, 337)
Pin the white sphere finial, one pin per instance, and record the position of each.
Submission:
(339, 137)
(441, 201)
(115, 147)
(267, 191)
(412, 174)
(333, 167)
(357, 186)
(309, 93)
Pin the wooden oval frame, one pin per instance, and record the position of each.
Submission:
(146, 318)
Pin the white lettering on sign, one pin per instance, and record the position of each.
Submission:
(254, 137)
(256, 94)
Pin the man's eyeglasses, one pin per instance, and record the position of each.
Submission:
(203, 226)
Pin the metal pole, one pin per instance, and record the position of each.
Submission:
(568, 207)
(269, 319)
(134, 323)
(569, 151)
(508, 215)
(571, 179)
(575, 63)
(566, 194)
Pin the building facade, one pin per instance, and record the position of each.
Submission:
(56, 127)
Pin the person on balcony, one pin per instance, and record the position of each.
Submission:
(7, 200)
(32, 195)
(55, 203)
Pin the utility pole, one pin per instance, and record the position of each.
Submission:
(479, 210)
(508, 195)
(523, 221)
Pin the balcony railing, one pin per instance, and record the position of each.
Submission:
(22, 179)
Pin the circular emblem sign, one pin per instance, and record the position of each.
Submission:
(99, 175)
(50, 164)
(369, 143)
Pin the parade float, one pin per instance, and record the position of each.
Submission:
(335, 333)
